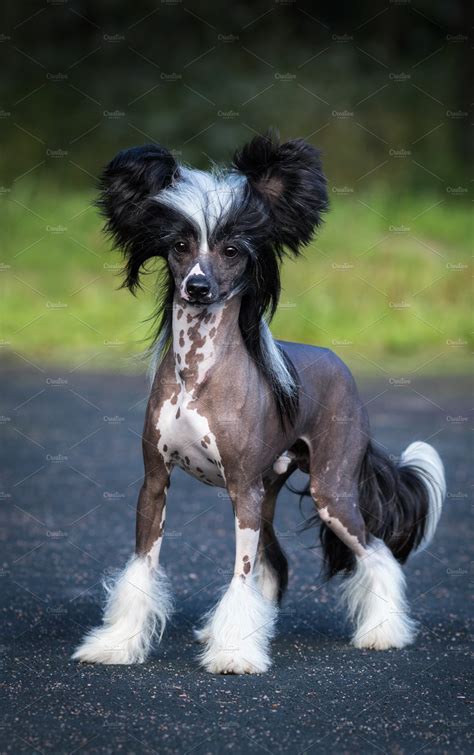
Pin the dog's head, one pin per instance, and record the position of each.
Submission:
(221, 233)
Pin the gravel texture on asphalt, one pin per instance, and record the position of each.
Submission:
(72, 470)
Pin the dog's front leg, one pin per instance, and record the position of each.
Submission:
(238, 630)
(138, 601)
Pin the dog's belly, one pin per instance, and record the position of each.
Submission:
(186, 440)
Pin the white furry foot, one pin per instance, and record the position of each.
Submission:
(375, 599)
(267, 583)
(238, 631)
(137, 607)
(427, 463)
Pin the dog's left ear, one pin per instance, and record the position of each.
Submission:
(289, 179)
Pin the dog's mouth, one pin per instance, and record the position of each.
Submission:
(205, 301)
(201, 301)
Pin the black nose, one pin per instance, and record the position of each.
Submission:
(197, 286)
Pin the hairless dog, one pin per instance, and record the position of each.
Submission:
(236, 409)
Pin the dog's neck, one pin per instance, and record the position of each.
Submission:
(202, 335)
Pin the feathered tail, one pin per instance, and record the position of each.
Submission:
(401, 504)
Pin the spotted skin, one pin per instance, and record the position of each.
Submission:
(235, 410)
(191, 423)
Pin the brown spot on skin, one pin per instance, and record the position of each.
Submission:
(207, 439)
(192, 359)
(186, 459)
(165, 447)
(207, 318)
(178, 413)
(174, 399)
(247, 567)
(212, 332)
(178, 358)
(180, 314)
(203, 444)
(198, 469)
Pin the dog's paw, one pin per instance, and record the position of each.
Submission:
(233, 662)
(398, 631)
(102, 646)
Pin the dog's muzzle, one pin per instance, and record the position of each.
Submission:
(198, 288)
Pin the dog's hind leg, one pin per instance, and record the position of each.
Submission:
(374, 589)
(238, 630)
(138, 601)
(272, 565)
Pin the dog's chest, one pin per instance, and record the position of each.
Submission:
(186, 440)
(185, 436)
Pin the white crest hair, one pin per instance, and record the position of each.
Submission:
(205, 198)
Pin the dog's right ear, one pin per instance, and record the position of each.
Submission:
(132, 177)
(128, 183)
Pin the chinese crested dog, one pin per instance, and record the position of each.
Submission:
(237, 409)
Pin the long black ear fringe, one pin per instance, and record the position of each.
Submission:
(126, 190)
(394, 502)
(250, 318)
(290, 180)
(261, 292)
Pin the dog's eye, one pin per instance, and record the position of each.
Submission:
(229, 252)
(180, 247)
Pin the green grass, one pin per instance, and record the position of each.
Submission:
(386, 284)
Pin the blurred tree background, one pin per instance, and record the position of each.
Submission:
(381, 87)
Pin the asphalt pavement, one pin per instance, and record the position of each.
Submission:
(71, 473)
